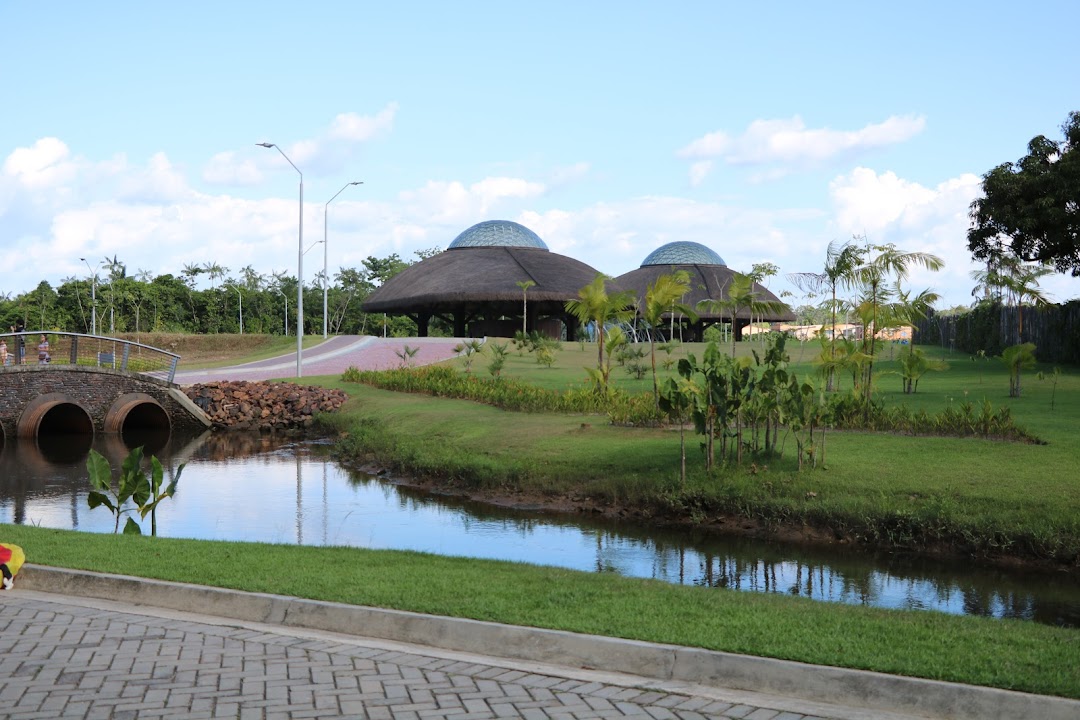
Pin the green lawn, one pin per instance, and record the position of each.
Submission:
(979, 496)
(1009, 654)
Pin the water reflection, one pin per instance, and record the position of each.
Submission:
(271, 489)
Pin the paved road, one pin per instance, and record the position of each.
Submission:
(332, 357)
(69, 657)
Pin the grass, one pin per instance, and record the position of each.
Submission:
(210, 351)
(972, 496)
(1008, 654)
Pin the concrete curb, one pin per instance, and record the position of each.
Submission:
(875, 691)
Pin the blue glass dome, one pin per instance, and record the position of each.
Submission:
(683, 253)
(498, 233)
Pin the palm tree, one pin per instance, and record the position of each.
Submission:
(1015, 282)
(117, 271)
(664, 295)
(873, 276)
(909, 310)
(1016, 358)
(595, 305)
(841, 259)
(742, 295)
(215, 271)
(525, 285)
(760, 273)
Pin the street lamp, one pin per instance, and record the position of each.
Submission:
(240, 295)
(282, 294)
(299, 267)
(326, 276)
(93, 298)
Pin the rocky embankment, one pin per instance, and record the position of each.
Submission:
(242, 405)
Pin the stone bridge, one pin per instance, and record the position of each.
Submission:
(84, 384)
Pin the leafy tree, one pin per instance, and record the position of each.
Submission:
(382, 269)
(1031, 208)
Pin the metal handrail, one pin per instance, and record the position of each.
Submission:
(66, 349)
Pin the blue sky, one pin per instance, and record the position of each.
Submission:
(765, 132)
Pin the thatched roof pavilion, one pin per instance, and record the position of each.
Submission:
(709, 279)
(473, 284)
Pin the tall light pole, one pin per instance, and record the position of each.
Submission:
(299, 267)
(93, 298)
(238, 294)
(326, 277)
(282, 294)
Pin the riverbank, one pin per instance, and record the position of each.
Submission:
(932, 495)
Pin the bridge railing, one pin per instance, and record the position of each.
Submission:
(64, 348)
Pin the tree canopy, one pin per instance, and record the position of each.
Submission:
(1031, 208)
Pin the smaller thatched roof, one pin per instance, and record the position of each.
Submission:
(707, 282)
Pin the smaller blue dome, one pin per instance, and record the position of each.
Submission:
(498, 233)
(683, 252)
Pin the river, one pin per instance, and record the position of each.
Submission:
(250, 487)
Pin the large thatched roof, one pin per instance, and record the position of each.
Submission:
(709, 279)
(468, 276)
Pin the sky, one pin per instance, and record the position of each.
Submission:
(129, 130)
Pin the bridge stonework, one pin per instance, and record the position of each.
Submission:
(78, 399)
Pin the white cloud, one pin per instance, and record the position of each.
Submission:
(889, 209)
(158, 182)
(452, 202)
(699, 171)
(43, 165)
(789, 142)
(227, 168)
(569, 174)
(615, 237)
(361, 128)
(325, 154)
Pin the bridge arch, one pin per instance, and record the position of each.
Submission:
(54, 414)
(136, 410)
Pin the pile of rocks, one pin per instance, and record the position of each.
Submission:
(242, 405)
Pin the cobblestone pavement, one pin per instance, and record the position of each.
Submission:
(64, 657)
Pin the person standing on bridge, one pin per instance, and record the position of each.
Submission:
(3, 353)
(43, 351)
(20, 341)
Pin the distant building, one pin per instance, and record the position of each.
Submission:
(473, 285)
(709, 279)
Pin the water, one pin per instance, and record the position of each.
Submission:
(277, 490)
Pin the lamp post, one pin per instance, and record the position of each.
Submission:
(299, 267)
(282, 294)
(93, 298)
(326, 276)
(240, 295)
